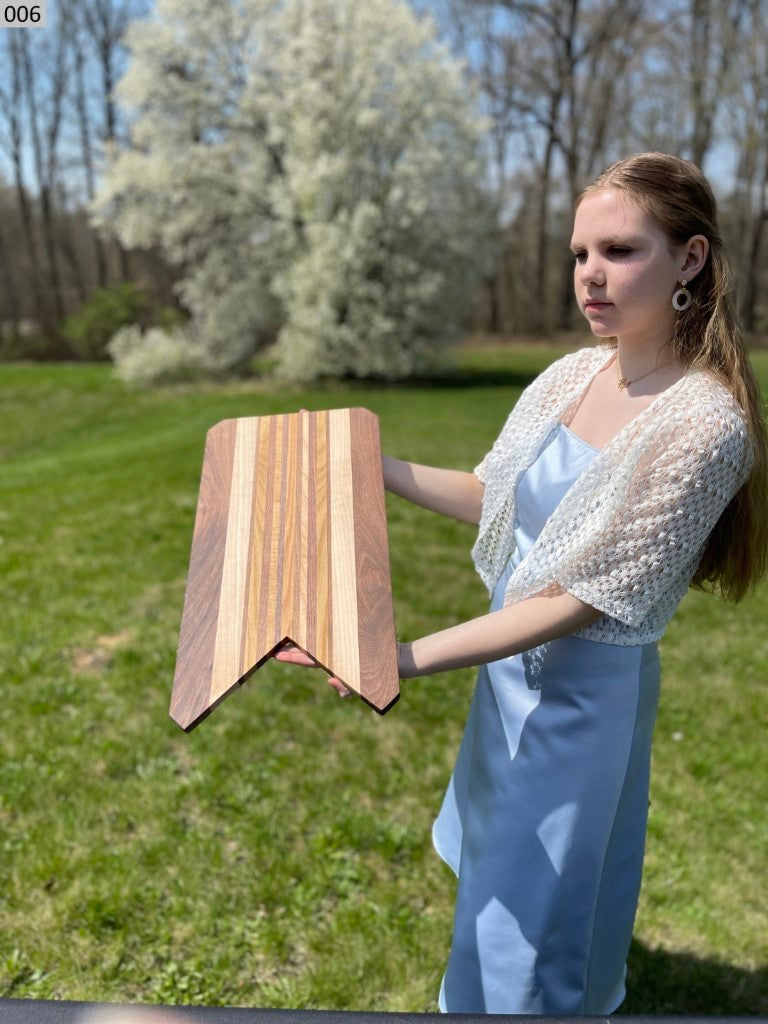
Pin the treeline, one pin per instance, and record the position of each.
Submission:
(571, 85)
(567, 86)
(58, 119)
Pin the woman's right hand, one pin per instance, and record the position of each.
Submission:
(293, 655)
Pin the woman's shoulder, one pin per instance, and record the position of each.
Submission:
(706, 417)
(706, 395)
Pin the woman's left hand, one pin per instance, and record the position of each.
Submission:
(293, 655)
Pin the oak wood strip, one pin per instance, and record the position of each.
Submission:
(288, 589)
(304, 499)
(379, 678)
(346, 655)
(274, 619)
(261, 523)
(199, 621)
(227, 661)
(322, 608)
(272, 547)
(263, 552)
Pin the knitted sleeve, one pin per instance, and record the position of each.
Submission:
(644, 555)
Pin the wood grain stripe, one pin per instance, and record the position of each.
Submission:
(271, 543)
(346, 658)
(261, 521)
(307, 583)
(190, 701)
(322, 609)
(278, 536)
(375, 616)
(292, 582)
(227, 661)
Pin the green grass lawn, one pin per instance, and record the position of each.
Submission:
(280, 854)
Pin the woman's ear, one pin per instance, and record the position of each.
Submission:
(695, 254)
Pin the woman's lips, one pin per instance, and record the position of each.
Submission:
(595, 305)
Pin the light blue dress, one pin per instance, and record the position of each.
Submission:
(544, 818)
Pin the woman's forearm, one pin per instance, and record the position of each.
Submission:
(449, 491)
(519, 627)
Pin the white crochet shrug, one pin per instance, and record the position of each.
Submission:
(628, 536)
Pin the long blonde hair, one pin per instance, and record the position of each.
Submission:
(708, 336)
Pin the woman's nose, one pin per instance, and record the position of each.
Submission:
(591, 271)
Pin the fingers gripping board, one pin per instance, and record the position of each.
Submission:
(290, 542)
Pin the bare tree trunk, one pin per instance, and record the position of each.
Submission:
(14, 105)
(748, 122)
(714, 29)
(701, 33)
(86, 144)
(751, 289)
(45, 171)
(753, 267)
(67, 245)
(106, 21)
(10, 293)
(493, 318)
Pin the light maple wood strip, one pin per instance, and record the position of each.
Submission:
(227, 661)
(346, 656)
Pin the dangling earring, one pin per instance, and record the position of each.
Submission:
(682, 297)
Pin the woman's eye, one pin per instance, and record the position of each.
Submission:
(619, 250)
(580, 256)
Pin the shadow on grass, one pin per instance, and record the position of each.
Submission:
(469, 377)
(451, 379)
(660, 982)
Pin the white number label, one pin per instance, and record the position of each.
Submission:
(24, 15)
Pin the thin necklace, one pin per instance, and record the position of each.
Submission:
(623, 383)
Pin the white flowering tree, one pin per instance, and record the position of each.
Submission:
(315, 167)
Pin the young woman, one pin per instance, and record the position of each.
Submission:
(626, 472)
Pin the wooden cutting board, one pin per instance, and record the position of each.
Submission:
(290, 542)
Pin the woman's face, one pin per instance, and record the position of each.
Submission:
(626, 268)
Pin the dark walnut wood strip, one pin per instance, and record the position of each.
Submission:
(379, 681)
(290, 542)
(190, 701)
